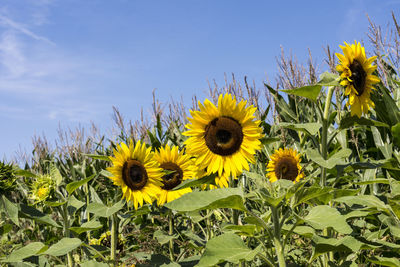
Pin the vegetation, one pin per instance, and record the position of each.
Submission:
(310, 176)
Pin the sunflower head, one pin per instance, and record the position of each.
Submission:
(7, 177)
(285, 164)
(136, 172)
(177, 167)
(41, 188)
(223, 138)
(356, 76)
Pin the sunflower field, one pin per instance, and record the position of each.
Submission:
(310, 176)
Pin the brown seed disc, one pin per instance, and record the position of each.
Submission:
(172, 179)
(223, 136)
(358, 76)
(286, 168)
(134, 174)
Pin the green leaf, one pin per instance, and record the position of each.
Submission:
(311, 128)
(63, 246)
(310, 91)
(323, 216)
(74, 204)
(210, 179)
(348, 121)
(364, 200)
(71, 187)
(54, 204)
(93, 263)
(11, 209)
(102, 210)
(106, 173)
(87, 226)
(247, 230)
(32, 213)
(226, 247)
(384, 261)
(385, 148)
(56, 175)
(216, 198)
(396, 134)
(375, 181)
(163, 238)
(24, 252)
(100, 157)
(25, 173)
(329, 79)
(346, 244)
(335, 159)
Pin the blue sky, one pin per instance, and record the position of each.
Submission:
(68, 62)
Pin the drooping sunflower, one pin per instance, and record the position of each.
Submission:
(179, 166)
(224, 138)
(356, 76)
(136, 172)
(285, 164)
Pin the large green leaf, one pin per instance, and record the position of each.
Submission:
(335, 159)
(311, 128)
(323, 216)
(226, 247)
(329, 79)
(349, 121)
(385, 261)
(11, 210)
(364, 200)
(71, 187)
(309, 91)
(56, 175)
(163, 238)
(346, 244)
(24, 252)
(102, 210)
(87, 226)
(32, 213)
(63, 246)
(213, 199)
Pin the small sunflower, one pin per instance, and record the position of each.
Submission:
(41, 188)
(136, 172)
(225, 138)
(180, 167)
(285, 164)
(356, 76)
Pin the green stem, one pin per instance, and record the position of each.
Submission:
(114, 238)
(277, 238)
(67, 233)
(324, 150)
(324, 136)
(171, 232)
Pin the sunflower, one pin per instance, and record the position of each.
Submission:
(41, 188)
(136, 172)
(179, 167)
(356, 76)
(285, 164)
(225, 138)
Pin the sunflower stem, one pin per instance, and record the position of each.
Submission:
(171, 232)
(114, 238)
(324, 136)
(277, 237)
(70, 260)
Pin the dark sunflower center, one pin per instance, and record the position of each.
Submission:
(286, 168)
(358, 76)
(134, 174)
(172, 179)
(223, 136)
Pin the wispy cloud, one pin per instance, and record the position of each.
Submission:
(5, 21)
